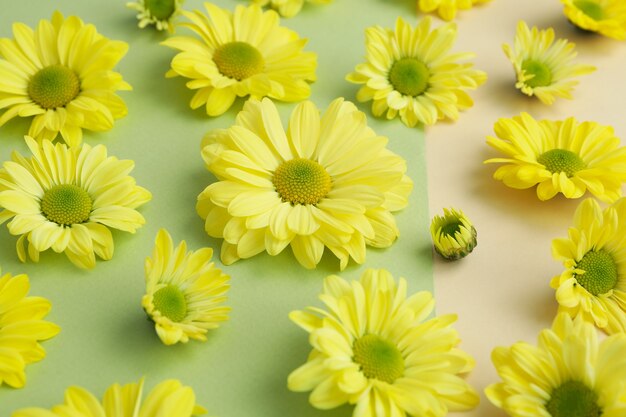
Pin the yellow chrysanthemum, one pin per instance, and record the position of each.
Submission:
(160, 13)
(288, 8)
(561, 156)
(410, 72)
(245, 53)
(21, 328)
(447, 8)
(169, 398)
(61, 73)
(453, 235)
(593, 283)
(67, 198)
(327, 182)
(544, 68)
(184, 291)
(569, 374)
(606, 17)
(378, 349)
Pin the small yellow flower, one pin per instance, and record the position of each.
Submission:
(447, 8)
(606, 17)
(288, 8)
(160, 13)
(454, 236)
(184, 291)
(560, 156)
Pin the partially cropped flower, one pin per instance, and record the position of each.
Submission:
(381, 350)
(606, 17)
(160, 13)
(169, 398)
(62, 74)
(184, 291)
(560, 156)
(240, 54)
(21, 328)
(327, 182)
(544, 68)
(454, 236)
(447, 8)
(568, 374)
(288, 8)
(66, 199)
(409, 72)
(593, 283)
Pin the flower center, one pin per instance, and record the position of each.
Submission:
(590, 8)
(301, 181)
(542, 74)
(238, 60)
(379, 359)
(573, 399)
(409, 76)
(600, 272)
(66, 204)
(561, 160)
(170, 301)
(54, 86)
(161, 9)
(450, 229)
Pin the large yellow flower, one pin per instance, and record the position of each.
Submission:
(447, 8)
(67, 198)
(21, 328)
(606, 17)
(245, 53)
(544, 68)
(184, 291)
(561, 156)
(288, 8)
(569, 374)
(160, 13)
(169, 398)
(378, 349)
(328, 182)
(410, 72)
(61, 73)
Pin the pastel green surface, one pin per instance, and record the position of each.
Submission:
(242, 369)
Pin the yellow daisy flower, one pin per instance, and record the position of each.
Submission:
(327, 182)
(67, 199)
(453, 235)
(447, 8)
(21, 328)
(410, 72)
(169, 398)
(378, 349)
(184, 291)
(606, 17)
(561, 156)
(593, 283)
(245, 53)
(160, 13)
(568, 374)
(288, 8)
(61, 73)
(544, 68)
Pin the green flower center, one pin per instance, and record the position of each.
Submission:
(600, 272)
(542, 74)
(161, 9)
(170, 302)
(301, 181)
(379, 359)
(573, 399)
(590, 8)
(238, 60)
(409, 76)
(450, 229)
(54, 86)
(66, 204)
(561, 160)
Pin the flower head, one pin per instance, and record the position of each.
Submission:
(568, 374)
(245, 53)
(326, 182)
(454, 236)
(67, 199)
(561, 156)
(410, 72)
(288, 8)
(376, 348)
(160, 13)
(184, 291)
(606, 17)
(61, 73)
(21, 328)
(544, 68)
(447, 8)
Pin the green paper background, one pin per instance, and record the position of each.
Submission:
(242, 369)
